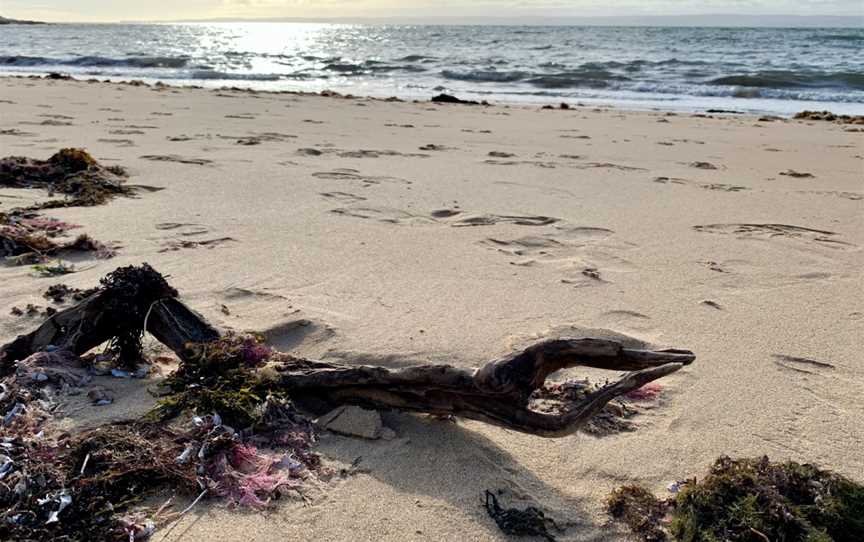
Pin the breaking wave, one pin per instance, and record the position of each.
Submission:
(98, 61)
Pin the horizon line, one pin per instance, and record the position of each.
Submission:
(695, 20)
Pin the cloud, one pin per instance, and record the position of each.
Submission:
(65, 10)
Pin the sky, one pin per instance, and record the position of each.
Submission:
(117, 10)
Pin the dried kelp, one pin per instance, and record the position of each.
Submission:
(829, 117)
(61, 293)
(749, 500)
(131, 291)
(528, 522)
(70, 172)
(28, 238)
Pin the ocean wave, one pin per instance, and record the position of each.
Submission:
(416, 58)
(592, 78)
(840, 37)
(790, 79)
(214, 74)
(18, 60)
(485, 76)
(370, 67)
(98, 61)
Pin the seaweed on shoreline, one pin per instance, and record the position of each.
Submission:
(829, 117)
(29, 238)
(749, 500)
(85, 486)
(71, 172)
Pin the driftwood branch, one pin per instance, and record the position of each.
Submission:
(497, 393)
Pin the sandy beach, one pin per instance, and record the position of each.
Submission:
(396, 233)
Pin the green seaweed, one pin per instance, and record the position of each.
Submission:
(640, 510)
(56, 269)
(751, 500)
(220, 377)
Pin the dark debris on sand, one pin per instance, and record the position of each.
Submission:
(93, 485)
(752, 500)
(450, 99)
(614, 418)
(70, 172)
(61, 293)
(29, 238)
(530, 521)
(830, 117)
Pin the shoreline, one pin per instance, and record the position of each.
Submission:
(838, 109)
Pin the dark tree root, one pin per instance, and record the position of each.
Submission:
(497, 393)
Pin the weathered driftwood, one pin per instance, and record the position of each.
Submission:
(497, 393)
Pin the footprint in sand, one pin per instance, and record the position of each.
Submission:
(176, 158)
(118, 142)
(854, 196)
(585, 256)
(48, 122)
(171, 246)
(707, 186)
(377, 154)
(802, 365)
(492, 219)
(182, 228)
(608, 165)
(535, 163)
(737, 274)
(775, 231)
(440, 216)
(288, 336)
(626, 320)
(387, 215)
(16, 132)
(797, 174)
(434, 147)
(345, 174)
(702, 165)
(345, 197)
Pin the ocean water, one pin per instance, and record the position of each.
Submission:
(745, 69)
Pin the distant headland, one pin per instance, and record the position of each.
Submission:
(4, 20)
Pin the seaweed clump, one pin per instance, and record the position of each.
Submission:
(640, 510)
(750, 500)
(93, 485)
(71, 172)
(130, 292)
(220, 377)
(29, 238)
(829, 117)
(61, 293)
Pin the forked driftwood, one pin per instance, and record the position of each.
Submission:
(497, 393)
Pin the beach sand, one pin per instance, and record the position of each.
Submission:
(332, 226)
